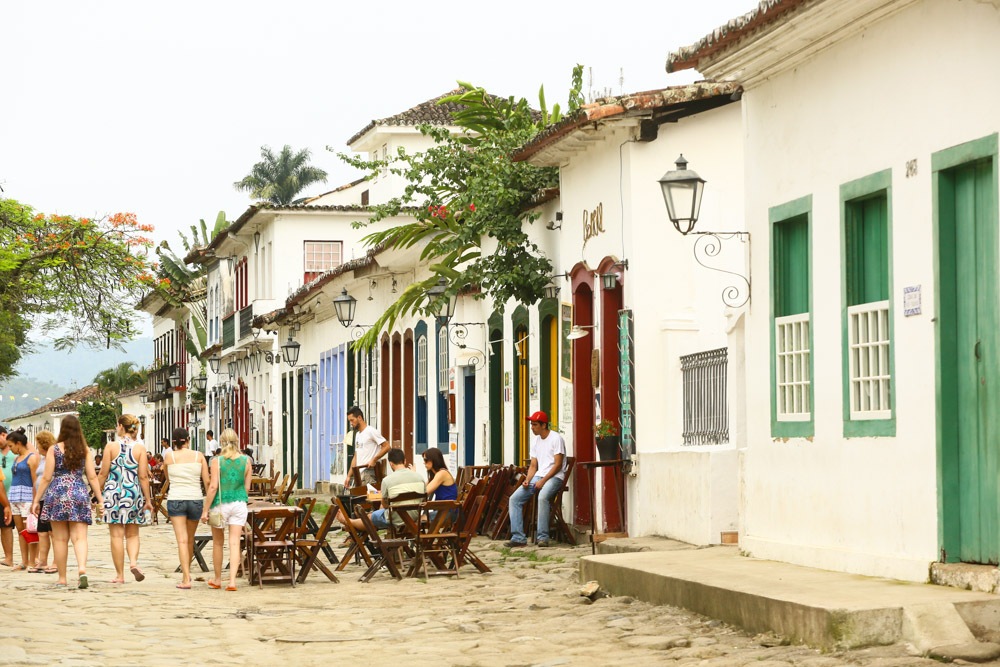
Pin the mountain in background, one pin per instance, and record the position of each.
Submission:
(47, 373)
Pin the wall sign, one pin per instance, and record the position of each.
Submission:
(626, 384)
(593, 223)
(911, 300)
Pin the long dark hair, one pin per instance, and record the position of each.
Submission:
(434, 455)
(74, 444)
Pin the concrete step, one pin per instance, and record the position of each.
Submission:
(828, 610)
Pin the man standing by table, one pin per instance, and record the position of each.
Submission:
(369, 447)
(545, 476)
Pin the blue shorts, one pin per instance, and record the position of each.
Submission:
(380, 519)
(187, 508)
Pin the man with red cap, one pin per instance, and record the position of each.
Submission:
(545, 476)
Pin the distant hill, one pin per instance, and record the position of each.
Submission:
(51, 373)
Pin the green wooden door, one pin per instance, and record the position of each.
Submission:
(968, 246)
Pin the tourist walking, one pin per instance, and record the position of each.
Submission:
(226, 504)
(69, 469)
(22, 492)
(125, 479)
(7, 526)
(369, 447)
(185, 472)
(43, 442)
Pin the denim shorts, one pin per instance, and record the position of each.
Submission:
(380, 519)
(187, 508)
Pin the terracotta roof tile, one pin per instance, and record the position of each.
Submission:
(429, 112)
(66, 403)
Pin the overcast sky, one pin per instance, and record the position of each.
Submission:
(158, 108)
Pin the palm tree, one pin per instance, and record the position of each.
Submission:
(121, 378)
(280, 178)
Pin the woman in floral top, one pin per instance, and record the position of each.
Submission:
(226, 504)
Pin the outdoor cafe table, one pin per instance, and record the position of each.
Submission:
(265, 528)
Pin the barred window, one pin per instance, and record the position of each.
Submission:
(706, 403)
(443, 359)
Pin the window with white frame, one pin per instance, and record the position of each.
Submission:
(320, 256)
(867, 291)
(792, 339)
(373, 388)
(443, 359)
(422, 366)
(361, 393)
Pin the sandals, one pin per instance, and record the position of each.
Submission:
(19, 567)
(50, 570)
(138, 573)
(214, 585)
(84, 582)
(230, 588)
(36, 570)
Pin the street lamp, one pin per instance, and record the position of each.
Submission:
(159, 385)
(214, 362)
(579, 331)
(289, 353)
(47, 426)
(175, 378)
(445, 304)
(682, 191)
(200, 382)
(143, 397)
(345, 305)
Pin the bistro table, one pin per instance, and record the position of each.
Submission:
(270, 542)
(615, 466)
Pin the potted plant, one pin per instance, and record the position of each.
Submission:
(606, 437)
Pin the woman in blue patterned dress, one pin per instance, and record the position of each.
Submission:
(69, 468)
(125, 479)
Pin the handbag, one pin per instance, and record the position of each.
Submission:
(215, 519)
(31, 523)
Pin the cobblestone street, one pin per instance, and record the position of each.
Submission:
(528, 612)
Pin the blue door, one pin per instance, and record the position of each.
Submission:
(469, 423)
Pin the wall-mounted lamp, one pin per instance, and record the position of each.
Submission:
(143, 398)
(682, 191)
(552, 289)
(553, 225)
(579, 331)
(371, 288)
(345, 304)
(393, 284)
(200, 382)
(441, 304)
(175, 378)
(289, 353)
(47, 426)
(159, 385)
(214, 362)
(256, 241)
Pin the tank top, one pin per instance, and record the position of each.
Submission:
(446, 492)
(21, 487)
(232, 487)
(185, 480)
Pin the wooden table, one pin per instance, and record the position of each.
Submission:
(270, 542)
(616, 471)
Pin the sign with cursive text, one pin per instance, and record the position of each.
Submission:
(593, 223)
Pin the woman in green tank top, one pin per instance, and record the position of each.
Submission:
(226, 504)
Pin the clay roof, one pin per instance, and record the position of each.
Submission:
(767, 14)
(429, 112)
(66, 403)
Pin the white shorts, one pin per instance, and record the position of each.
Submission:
(233, 514)
(20, 509)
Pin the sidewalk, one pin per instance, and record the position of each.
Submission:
(821, 608)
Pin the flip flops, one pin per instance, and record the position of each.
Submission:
(214, 585)
(138, 573)
(183, 587)
(35, 570)
(230, 588)
(84, 582)
(50, 570)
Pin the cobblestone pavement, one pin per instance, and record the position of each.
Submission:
(529, 611)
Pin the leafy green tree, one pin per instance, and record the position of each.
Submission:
(69, 277)
(122, 377)
(470, 203)
(280, 178)
(95, 419)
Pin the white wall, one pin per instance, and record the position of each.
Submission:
(866, 505)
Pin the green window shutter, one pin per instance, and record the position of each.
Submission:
(792, 266)
(867, 250)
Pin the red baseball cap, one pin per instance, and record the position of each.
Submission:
(539, 417)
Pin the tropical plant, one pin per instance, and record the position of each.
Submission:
(470, 203)
(122, 377)
(96, 418)
(280, 178)
(605, 429)
(68, 277)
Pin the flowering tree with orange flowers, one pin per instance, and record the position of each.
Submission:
(75, 279)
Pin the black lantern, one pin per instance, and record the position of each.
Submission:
(256, 241)
(143, 397)
(232, 367)
(290, 351)
(175, 378)
(551, 291)
(159, 385)
(682, 191)
(214, 362)
(47, 425)
(609, 281)
(200, 382)
(446, 305)
(345, 304)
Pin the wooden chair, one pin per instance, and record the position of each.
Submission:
(289, 488)
(356, 548)
(258, 469)
(386, 552)
(437, 539)
(272, 557)
(501, 512)
(277, 491)
(466, 531)
(307, 550)
(159, 501)
(558, 527)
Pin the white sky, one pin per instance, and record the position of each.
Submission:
(158, 108)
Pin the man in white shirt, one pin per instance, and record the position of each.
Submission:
(545, 476)
(369, 447)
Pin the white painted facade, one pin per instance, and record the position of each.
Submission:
(813, 122)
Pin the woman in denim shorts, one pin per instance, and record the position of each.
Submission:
(185, 471)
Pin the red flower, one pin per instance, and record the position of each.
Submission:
(472, 207)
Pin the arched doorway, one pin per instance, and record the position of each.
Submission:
(611, 303)
(583, 390)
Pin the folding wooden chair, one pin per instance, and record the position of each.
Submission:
(307, 550)
(289, 488)
(159, 501)
(386, 552)
(557, 523)
(356, 548)
(437, 540)
(272, 558)
(472, 510)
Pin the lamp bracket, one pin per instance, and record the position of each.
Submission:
(358, 330)
(709, 245)
(457, 334)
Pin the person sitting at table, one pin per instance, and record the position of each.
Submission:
(440, 482)
(226, 504)
(401, 480)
